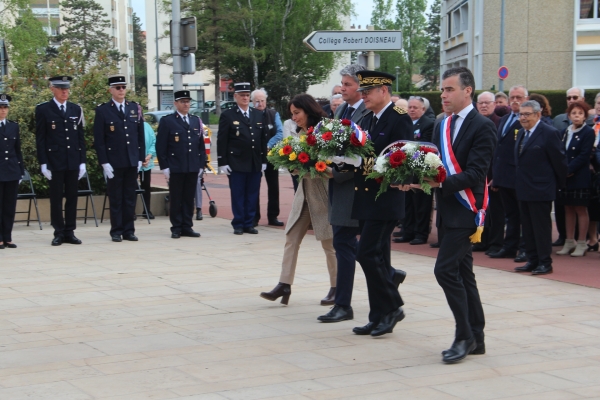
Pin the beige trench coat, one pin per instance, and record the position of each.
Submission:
(315, 192)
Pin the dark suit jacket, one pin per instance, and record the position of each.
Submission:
(242, 145)
(392, 126)
(59, 140)
(11, 158)
(180, 148)
(578, 158)
(423, 129)
(473, 149)
(504, 159)
(541, 165)
(121, 142)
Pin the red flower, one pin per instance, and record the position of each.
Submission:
(425, 149)
(346, 122)
(441, 175)
(327, 136)
(303, 158)
(354, 141)
(287, 149)
(311, 140)
(379, 180)
(397, 158)
(310, 130)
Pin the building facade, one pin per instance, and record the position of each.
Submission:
(547, 44)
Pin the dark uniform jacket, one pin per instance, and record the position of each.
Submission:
(269, 122)
(242, 145)
(579, 154)
(180, 148)
(541, 164)
(119, 141)
(423, 129)
(11, 158)
(394, 125)
(59, 140)
(504, 159)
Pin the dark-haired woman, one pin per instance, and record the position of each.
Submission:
(11, 171)
(309, 210)
(546, 109)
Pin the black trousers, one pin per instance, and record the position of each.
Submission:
(454, 273)
(512, 238)
(271, 175)
(121, 192)
(537, 231)
(63, 184)
(345, 245)
(145, 184)
(493, 233)
(559, 216)
(374, 240)
(8, 207)
(417, 215)
(182, 189)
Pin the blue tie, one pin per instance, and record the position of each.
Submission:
(453, 119)
(508, 124)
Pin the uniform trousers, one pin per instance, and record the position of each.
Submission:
(8, 207)
(145, 185)
(244, 187)
(293, 239)
(454, 273)
(493, 234)
(63, 184)
(371, 255)
(198, 197)
(272, 178)
(417, 217)
(537, 231)
(182, 189)
(512, 238)
(345, 245)
(121, 193)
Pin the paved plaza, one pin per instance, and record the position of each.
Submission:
(182, 319)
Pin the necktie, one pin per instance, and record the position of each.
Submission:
(348, 113)
(121, 114)
(246, 116)
(525, 139)
(373, 124)
(185, 121)
(453, 119)
(62, 110)
(510, 121)
(2, 126)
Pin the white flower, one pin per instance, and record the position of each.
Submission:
(409, 148)
(432, 160)
(328, 126)
(380, 165)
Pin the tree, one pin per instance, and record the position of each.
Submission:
(431, 64)
(411, 21)
(11, 7)
(27, 44)
(139, 54)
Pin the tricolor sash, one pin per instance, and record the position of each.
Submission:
(466, 196)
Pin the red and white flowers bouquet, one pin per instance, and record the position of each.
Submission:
(339, 137)
(408, 162)
(293, 153)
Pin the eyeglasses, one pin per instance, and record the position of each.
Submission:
(120, 87)
(485, 103)
(572, 97)
(527, 114)
(366, 92)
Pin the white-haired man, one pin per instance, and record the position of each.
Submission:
(336, 89)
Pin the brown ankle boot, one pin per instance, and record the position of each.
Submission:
(329, 300)
(282, 289)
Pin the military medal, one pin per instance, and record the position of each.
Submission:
(177, 138)
(112, 128)
(237, 133)
(53, 126)
(236, 122)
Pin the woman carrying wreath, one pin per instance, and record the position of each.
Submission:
(309, 211)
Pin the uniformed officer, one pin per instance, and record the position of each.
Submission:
(181, 156)
(120, 143)
(61, 153)
(11, 171)
(242, 155)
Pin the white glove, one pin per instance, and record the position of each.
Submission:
(355, 161)
(167, 173)
(200, 172)
(108, 171)
(81, 170)
(264, 166)
(139, 165)
(225, 169)
(47, 173)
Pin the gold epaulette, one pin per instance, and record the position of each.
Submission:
(399, 110)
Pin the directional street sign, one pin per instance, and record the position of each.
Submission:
(354, 40)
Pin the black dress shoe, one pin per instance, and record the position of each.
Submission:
(503, 253)
(72, 240)
(175, 235)
(190, 233)
(479, 247)
(365, 330)
(57, 241)
(11, 245)
(399, 277)
(238, 231)
(337, 314)
(542, 270)
(116, 238)
(492, 250)
(521, 257)
(388, 322)
(559, 242)
(199, 216)
(250, 230)
(397, 234)
(417, 241)
(478, 350)
(275, 222)
(459, 350)
(402, 239)
(149, 216)
(131, 237)
(2, 246)
(435, 245)
(526, 268)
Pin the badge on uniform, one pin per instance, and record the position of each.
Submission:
(270, 126)
(112, 128)
(53, 126)
(177, 138)
(237, 133)
(236, 122)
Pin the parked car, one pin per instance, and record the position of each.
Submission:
(152, 117)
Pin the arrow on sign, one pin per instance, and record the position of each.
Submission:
(354, 40)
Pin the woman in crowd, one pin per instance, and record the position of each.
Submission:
(309, 210)
(594, 205)
(146, 170)
(546, 109)
(578, 140)
(11, 171)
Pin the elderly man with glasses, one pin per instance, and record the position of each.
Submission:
(561, 121)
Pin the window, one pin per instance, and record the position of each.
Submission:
(588, 9)
(458, 20)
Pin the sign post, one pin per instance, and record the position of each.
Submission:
(354, 40)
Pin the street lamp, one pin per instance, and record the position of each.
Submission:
(397, 72)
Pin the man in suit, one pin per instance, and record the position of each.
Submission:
(469, 140)
(61, 153)
(504, 171)
(272, 122)
(242, 155)
(121, 146)
(541, 171)
(181, 156)
(387, 124)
